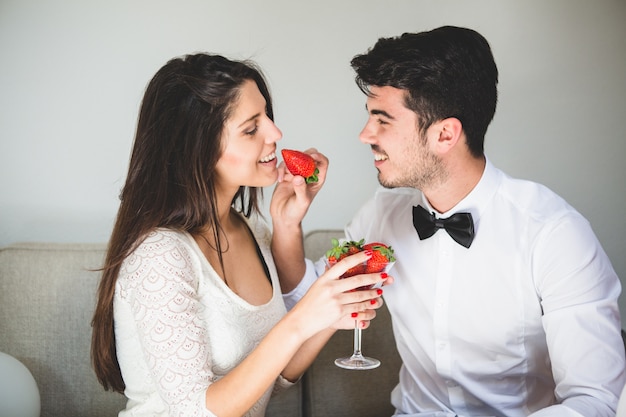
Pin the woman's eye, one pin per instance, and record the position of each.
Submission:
(252, 131)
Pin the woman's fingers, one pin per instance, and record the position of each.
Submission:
(340, 301)
(356, 281)
(363, 281)
(340, 267)
(361, 300)
(362, 318)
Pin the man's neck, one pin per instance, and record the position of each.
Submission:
(460, 181)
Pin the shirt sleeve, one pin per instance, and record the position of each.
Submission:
(161, 287)
(310, 275)
(579, 290)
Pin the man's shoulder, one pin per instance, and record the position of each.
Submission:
(534, 198)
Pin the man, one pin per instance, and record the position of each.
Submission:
(510, 309)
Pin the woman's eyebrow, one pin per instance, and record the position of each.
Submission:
(249, 119)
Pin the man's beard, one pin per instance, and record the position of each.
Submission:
(427, 171)
(386, 183)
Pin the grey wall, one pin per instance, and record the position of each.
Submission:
(73, 73)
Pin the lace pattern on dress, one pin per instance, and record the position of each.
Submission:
(180, 328)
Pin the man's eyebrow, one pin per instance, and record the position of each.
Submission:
(382, 113)
(376, 112)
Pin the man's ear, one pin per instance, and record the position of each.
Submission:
(450, 132)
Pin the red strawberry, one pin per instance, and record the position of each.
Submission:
(343, 249)
(300, 163)
(382, 255)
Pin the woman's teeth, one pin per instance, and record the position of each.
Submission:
(268, 158)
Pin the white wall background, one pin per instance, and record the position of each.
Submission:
(72, 75)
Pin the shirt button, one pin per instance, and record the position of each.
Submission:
(451, 384)
(441, 346)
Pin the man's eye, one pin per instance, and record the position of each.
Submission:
(381, 122)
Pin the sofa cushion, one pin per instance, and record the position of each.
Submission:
(47, 297)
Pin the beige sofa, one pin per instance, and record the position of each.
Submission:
(47, 295)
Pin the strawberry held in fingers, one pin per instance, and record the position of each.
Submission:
(300, 163)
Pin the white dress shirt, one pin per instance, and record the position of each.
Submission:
(179, 327)
(524, 322)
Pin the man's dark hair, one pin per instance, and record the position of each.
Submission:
(446, 72)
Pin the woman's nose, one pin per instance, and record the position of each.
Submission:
(274, 134)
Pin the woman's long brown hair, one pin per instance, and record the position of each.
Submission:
(170, 181)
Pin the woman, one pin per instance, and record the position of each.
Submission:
(189, 318)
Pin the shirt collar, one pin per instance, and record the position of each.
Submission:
(477, 199)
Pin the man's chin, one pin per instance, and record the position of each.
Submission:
(385, 182)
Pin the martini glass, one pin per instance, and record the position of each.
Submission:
(357, 361)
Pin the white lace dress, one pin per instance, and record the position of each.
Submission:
(179, 328)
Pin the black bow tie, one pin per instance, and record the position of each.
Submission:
(459, 226)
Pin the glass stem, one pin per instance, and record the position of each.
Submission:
(357, 339)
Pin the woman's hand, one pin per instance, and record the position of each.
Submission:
(331, 302)
(363, 317)
(292, 195)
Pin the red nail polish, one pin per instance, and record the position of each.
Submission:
(369, 252)
(355, 315)
(372, 302)
(384, 275)
(379, 291)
